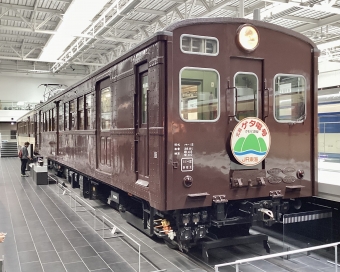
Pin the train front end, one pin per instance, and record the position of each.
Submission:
(241, 141)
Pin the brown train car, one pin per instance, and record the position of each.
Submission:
(154, 127)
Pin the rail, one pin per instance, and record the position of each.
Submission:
(114, 230)
(238, 262)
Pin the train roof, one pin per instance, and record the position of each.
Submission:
(167, 32)
(231, 20)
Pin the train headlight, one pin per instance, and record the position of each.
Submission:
(248, 37)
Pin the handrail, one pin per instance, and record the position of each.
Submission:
(282, 254)
(139, 246)
(78, 198)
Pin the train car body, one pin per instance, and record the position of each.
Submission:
(155, 127)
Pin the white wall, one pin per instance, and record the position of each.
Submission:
(329, 74)
(25, 88)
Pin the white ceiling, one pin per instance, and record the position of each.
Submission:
(26, 26)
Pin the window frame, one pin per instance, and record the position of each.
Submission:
(200, 37)
(218, 95)
(100, 120)
(274, 98)
(257, 97)
(80, 110)
(87, 108)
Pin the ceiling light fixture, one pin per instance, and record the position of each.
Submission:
(76, 19)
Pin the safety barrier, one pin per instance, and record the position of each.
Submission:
(114, 230)
(239, 262)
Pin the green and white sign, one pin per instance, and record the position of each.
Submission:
(250, 141)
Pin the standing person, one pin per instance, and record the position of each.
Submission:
(24, 158)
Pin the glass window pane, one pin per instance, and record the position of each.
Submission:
(247, 89)
(201, 45)
(105, 108)
(61, 117)
(199, 94)
(54, 119)
(88, 105)
(211, 46)
(66, 112)
(290, 98)
(80, 103)
(81, 120)
(186, 43)
(144, 98)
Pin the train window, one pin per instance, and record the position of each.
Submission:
(200, 92)
(61, 117)
(201, 45)
(49, 120)
(290, 98)
(66, 115)
(32, 130)
(73, 111)
(106, 108)
(45, 122)
(81, 113)
(247, 93)
(145, 86)
(88, 106)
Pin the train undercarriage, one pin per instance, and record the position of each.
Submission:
(186, 228)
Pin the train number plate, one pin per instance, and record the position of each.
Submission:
(187, 164)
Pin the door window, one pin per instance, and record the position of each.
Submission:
(247, 95)
(106, 105)
(145, 87)
(199, 94)
(290, 98)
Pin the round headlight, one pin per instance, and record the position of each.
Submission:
(248, 37)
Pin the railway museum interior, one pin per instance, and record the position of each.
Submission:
(169, 135)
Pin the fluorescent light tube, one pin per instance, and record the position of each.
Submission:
(76, 19)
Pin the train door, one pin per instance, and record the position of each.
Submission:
(245, 96)
(142, 124)
(104, 125)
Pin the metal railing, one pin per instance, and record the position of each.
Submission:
(114, 230)
(239, 262)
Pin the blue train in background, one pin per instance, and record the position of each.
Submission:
(329, 124)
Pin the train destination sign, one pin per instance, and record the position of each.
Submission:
(250, 141)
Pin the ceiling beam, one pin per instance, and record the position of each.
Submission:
(16, 19)
(136, 22)
(6, 43)
(29, 8)
(301, 19)
(322, 22)
(22, 37)
(315, 7)
(151, 11)
(37, 60)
